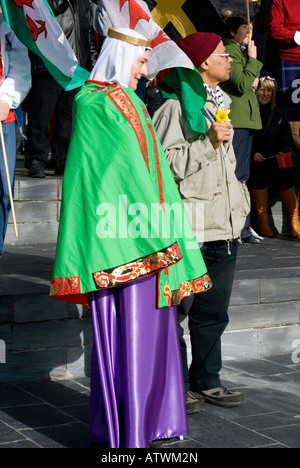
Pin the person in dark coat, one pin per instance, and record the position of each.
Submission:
(275, 137)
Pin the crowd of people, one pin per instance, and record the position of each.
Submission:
(140, 288)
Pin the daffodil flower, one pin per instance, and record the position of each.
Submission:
(222, 116)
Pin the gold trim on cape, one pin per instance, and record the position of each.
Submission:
(138, 269)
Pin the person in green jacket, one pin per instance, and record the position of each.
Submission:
(241, 87)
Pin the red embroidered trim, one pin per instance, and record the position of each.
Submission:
(157, 162)
(187, 289)
(65, 286)
(124, 104)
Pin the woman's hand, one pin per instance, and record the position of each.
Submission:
(4, 110)
(252, 50)
(255, 84)
(259, 158)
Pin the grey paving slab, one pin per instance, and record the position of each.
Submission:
(39, 413)
(20, 444)
(8, 434)
(54, 414)
(74, 435)
(287, 435)
(219, 432)
(58, 394)
(12, 396)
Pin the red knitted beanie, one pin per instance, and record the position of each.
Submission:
(199, 46)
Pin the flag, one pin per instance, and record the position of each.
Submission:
(179, 18)
(36, 27)
(165, 53)
(134, 14)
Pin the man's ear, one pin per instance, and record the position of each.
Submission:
(205, 65)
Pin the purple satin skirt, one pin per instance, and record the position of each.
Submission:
(137, 390)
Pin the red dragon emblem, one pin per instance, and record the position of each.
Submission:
(21, 3)
(36, 27)
(136, 12)
(35, 31)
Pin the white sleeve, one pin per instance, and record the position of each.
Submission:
(18, 75)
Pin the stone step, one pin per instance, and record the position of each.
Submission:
(37, 207)
(265, 320)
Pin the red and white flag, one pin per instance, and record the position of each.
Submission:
(35, 25)
(135, 14)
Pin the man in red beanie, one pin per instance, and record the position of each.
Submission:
(203, 166)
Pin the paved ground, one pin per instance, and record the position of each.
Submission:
(55, 414)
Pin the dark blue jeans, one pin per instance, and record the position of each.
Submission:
(242, 145)
(208, 318)
(9, 132)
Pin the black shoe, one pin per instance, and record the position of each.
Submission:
(193, 405)
(36, 170)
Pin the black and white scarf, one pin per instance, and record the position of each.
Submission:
(216, 95)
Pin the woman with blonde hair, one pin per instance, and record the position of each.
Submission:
(275, 137)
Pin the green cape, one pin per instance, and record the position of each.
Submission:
(118, 205)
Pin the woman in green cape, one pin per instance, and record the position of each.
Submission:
(125, 247)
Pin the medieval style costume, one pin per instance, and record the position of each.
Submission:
(126, 248)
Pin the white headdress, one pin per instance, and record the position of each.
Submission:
(120, 50)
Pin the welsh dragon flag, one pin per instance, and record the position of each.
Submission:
(36, 27)
(178, 69)
(135, 14)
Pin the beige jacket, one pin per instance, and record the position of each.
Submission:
(217, 203)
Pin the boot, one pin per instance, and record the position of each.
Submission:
(260, 202)
(290, 204)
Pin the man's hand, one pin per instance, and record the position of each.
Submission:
(4, 110)
(219, 133)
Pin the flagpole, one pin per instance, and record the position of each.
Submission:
(249, 20)
(8, 181)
